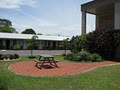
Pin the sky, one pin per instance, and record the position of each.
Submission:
(54, 17)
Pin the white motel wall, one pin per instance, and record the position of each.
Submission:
(9, 40)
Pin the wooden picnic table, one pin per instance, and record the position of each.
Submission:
(46, 59)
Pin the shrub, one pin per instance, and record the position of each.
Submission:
(70, 56)
(16, 47)
(83, 56)
(95, 57)
(78, 43)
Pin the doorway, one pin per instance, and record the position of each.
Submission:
(7, 44)
(54, 45)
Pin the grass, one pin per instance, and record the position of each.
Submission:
(104, 78)
(61, 58)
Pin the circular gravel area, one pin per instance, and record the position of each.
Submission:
(28, 68)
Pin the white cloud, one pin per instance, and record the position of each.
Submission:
(10, 4)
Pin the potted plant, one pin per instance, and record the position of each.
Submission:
(11, 57)
(1, 57)
(16, 56)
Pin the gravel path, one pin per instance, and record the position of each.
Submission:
(28, 68)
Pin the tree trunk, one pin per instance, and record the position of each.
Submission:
(31, 53)
(65, 52)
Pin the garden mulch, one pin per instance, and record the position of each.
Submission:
(65, 68)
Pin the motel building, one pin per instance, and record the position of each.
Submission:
(107, 13)
(9, 40)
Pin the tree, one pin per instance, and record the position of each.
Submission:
(7, 29)
(29, 31)
(5, 22)
(65, 44)
(103, 42)
(32, 43)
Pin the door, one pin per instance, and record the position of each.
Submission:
(1, 44)
(54, 45)
(7, 44)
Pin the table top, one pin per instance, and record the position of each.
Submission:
(46, 56)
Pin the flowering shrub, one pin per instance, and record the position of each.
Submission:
(104, 42)
(101, 41)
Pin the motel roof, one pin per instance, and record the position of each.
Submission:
(29, 36)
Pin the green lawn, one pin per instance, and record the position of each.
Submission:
(104, 78)
(61, 58)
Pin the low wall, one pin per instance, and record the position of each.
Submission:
(35, 52)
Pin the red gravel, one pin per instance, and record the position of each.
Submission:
(28, 68)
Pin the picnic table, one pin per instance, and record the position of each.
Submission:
(46, 59)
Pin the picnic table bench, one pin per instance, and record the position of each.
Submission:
(46, 59)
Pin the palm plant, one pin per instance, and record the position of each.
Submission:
(32, 43)
(65, 44)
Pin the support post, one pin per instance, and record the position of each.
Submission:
(97, 21)
(117, 15)
(83, 22)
